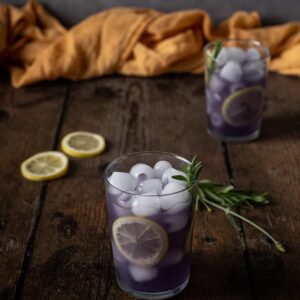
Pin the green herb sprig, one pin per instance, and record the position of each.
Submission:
(223, 197)
(212, 59)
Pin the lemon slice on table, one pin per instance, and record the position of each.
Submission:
(243, 107)
(83, 144)
(45, 166)
(140, 240)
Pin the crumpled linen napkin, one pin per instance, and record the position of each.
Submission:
(34, 46)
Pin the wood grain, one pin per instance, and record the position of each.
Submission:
(54, 242)
(28, 120)
(72, 258)
(272, 164)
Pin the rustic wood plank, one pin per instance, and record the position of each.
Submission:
(272, 164)
(28, 119)
(72, 258)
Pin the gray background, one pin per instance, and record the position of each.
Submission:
(272, 11)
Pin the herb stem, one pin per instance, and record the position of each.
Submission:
(223, 197)
(216, 52)
(278, 245)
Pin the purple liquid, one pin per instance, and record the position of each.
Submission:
(248, 121)
(172, 270)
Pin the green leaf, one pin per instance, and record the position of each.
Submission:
(217, 49)
(260, 199)
(224, 189)
(212, 61)
(179, 177)
(211, 195)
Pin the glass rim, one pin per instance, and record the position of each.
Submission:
(144, 152)
(257, 43)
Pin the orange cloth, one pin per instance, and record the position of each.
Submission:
(131, 41)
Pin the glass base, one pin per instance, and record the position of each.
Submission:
(236, 139)
(154, 295)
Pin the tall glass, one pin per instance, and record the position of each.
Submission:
(151, 232)
(235, 78)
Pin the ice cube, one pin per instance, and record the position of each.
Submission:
(167, 176)
(232, 71)
(254, 71)
(252, 54)
(150, 185)
(175, 222)
(216, 119)
(173, 257)
(141, 274)
(213, 101)
(179, 207)
(145, 205)
(142, 172)
(160, 167)
(112, 190)
(217, 97)
(216, 84)
(125, 199)
(236, 54)
(123, 181)
(177, 217)
(178, 195)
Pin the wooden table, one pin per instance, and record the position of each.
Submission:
(54, 242)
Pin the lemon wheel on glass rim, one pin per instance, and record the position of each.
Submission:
(45, 166)
(83, 144)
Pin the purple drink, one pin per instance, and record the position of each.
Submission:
(150, 217)
(235, 77)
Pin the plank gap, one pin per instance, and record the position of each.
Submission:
(41, 201)
(30, 244)
(227, 162)
(242, 236)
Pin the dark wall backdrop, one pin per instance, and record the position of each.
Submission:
(272, 11)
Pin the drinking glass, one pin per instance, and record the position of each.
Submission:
(235, 78)
(150, 220)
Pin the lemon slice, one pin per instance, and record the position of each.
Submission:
(45, 166)
(243, 107)
(83, 144)
(140, 240)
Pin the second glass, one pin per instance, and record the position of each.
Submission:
(235, 78)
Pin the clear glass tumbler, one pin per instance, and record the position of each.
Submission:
(150, 220)
(235, 78)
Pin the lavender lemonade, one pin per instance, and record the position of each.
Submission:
(150, 217)
(235, 76)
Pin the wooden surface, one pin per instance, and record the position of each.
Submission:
(54, 242)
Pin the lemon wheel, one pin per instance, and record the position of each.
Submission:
(45, 166)
(243, 107)
(83, 144)
(141, 241)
